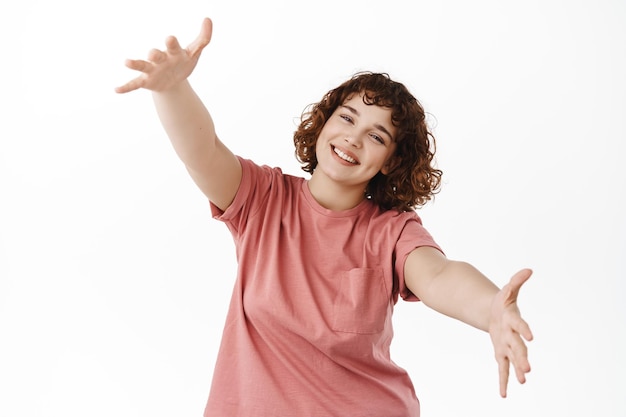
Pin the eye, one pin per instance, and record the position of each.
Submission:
(346, 118)
(377, 138)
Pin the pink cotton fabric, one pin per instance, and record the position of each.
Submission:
(309, 326)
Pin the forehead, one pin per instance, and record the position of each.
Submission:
(358, 102)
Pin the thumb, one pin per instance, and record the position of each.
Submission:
(517, 280)
(203, 39)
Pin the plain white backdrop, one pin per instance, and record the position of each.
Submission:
(114, 279)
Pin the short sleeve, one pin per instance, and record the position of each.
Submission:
(256, 181)
(413, 236)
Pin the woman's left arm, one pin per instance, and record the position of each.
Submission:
(460, 291)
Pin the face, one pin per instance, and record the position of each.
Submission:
(356, 143)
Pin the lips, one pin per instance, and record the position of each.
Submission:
(344, 156)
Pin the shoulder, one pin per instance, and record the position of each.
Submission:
(405, 228)
(260, 186)
(393, 218)
(250, 168)
(268, 187)
(253, 172)
(396, 227)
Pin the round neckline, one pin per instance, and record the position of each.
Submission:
(308, 196)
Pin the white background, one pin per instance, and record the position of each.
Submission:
(114, 279)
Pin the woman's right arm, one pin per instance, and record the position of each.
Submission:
(212, 166)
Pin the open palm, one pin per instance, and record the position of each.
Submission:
(165, 69)
(507, 328)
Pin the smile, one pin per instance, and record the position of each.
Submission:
(344, 156)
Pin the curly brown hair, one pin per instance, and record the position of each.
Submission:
(412, 179)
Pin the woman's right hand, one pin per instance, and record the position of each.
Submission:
(166, 69)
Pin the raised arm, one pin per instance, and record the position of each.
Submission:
(460, 291)
(212, 166)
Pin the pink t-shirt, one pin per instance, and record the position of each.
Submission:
(309, 325)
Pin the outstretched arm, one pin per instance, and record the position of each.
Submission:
(459, 290)
(186, 120)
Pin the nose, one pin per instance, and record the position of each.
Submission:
(353, 141)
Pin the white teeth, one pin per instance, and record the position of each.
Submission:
(344, 156)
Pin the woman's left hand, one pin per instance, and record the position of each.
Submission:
(508, 331)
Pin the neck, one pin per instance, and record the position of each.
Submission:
(334, 196)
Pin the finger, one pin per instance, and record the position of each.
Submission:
(138, 65)
(519, 359)
(510, 291)
(156, 56)
(522, 327)
(519, 279)
(172, 45)
(203, 39)
(521, 369)
(503, 371)
(130, 86)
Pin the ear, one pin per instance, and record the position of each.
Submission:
(392, 163)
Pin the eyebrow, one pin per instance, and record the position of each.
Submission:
(376, 125)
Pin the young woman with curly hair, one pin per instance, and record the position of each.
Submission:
(411, 180)
(323, 261)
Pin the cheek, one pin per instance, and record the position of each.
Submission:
(318, 149)
(326, 134)
(386, 155)
(388, 160)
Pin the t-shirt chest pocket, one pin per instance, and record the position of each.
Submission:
(361, 302)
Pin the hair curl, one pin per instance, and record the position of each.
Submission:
(412, 179)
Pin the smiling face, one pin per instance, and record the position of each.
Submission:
(355, 144)
(409, 176)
